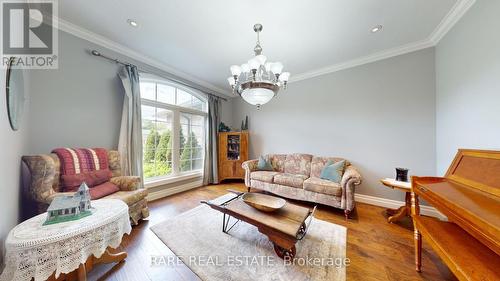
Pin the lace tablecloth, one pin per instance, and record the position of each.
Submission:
(37, 251)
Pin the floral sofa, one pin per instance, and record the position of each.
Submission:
(297, 176)
(44, 183)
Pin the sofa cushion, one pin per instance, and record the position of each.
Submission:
(323, 186)
(293, 180)
(265, 176)
(298, 164)
(129, 197)
(278, 162)
(318, 163)
(102, 190)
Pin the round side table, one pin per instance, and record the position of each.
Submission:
(403, 211)
(41, 252)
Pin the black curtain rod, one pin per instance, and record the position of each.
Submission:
(98, 54)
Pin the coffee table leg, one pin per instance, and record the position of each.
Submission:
(282, 252)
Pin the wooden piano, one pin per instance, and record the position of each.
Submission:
(469, 195)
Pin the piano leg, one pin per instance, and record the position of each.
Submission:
(417, 236)
(418, 250)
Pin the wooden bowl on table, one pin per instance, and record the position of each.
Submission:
(265, 203)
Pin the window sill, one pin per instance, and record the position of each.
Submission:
(171, 179)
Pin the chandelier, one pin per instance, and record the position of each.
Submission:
(258, 81)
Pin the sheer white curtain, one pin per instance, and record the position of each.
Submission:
(130, 141)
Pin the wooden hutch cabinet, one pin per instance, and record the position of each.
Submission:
(233, 151)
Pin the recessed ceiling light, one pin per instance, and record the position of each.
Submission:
(377, 28)
(132, 23)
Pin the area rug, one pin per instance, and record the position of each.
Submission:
(197, 239)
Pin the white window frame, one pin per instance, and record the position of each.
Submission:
(176, 174)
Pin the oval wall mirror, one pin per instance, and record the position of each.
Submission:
(15, 95)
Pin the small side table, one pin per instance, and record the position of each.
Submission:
(403, 211)
(41, 252)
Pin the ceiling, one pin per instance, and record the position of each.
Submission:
(201, 39)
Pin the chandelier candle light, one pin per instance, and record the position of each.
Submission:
(258, 81)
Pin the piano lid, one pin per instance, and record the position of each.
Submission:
(479, 169)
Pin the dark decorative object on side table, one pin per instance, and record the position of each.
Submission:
(402, 174)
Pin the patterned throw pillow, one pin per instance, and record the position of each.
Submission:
(333, 171)
(264, 165)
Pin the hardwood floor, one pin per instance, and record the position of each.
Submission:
(377, 250)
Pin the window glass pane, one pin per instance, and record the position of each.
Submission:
(147, 90)
(192, 142)
(196, 103)
(197, 164)
(183, 98)
(166, 94)
(148, 113)
(164, 115)
(198, 120)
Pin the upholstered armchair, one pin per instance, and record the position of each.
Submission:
(297, 176)
(45, 183)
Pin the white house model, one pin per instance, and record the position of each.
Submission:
(67, 208)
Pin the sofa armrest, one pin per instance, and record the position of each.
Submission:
(42, 169)
(127, 183)
(249, 166)
(349, 180)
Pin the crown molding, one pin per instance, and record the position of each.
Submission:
(451, 18)
(363, 60)
(90, 36)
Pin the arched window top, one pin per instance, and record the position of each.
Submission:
(166, 92)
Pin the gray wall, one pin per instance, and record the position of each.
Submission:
(13, 144)
(379, 116)
(468, 84)
(79, 104)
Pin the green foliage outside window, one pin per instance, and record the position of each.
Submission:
(157, 154)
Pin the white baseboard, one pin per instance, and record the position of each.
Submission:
(394, 204)
(173, 190)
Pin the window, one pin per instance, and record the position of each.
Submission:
(173, 129)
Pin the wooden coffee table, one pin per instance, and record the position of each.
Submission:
(283, 227)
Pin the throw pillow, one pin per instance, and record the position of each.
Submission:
(264, 165)
(102, 190)
(73, 182)
(333, 171)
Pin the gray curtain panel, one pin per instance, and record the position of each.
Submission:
(213, 119)
(130, 141)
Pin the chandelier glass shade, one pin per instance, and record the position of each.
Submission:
(258, 80)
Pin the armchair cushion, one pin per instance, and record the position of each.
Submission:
(127, 183)
(293, 180)
(129, 197)
(323, 186)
